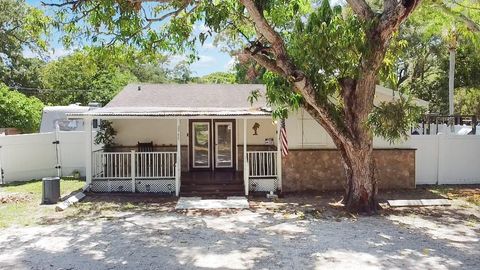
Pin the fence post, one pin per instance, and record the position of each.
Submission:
(133, 167)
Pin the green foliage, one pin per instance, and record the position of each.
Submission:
(181, 73)
(86, 76)
(218, 78)
(422, 66)
(333, 56)
(106, 134)
(393, 120)
(24, 73)
(248, 71)
(279, 95)
(151, 72)
(327, 44)
(22, 28)
(467, 101)
(19, 111)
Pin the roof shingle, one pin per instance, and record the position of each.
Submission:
(139, 99)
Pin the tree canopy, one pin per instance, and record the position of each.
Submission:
(22, 28)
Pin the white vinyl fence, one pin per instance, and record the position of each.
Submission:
(440, 159)
(443, 159)
(33, 156)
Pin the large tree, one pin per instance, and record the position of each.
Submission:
(292, 40)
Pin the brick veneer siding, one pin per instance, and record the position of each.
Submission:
(322, 169)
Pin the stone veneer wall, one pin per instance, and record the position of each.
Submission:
(322, 169)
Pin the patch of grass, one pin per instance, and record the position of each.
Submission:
(468, 193)
(26, 210)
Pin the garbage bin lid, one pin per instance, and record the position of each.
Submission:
(50, 178)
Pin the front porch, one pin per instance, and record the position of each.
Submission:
(201, 164)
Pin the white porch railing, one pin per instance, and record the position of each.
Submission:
(114, 165)
(155, 165)
(261, 169)
(135, 171)
(262, 163)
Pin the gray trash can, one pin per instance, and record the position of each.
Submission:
(50, 190)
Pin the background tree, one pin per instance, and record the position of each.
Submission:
(19, 111)
(22, 28)
(467, 101)
(218, 77)
(98, 74)
(423, 65)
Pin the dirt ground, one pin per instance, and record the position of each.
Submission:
(307, 231)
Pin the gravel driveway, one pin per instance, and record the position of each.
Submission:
(259, 238)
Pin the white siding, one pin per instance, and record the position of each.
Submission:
(160, 131)
(266, 130)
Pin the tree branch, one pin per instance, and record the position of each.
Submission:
(283, 66)
(266, 62)
(362, 9)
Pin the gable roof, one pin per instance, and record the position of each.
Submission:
(138, 99)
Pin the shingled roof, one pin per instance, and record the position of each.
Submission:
(184, 100)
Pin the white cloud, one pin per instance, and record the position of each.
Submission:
(56, 53)
(204, 61)
(209, 46)
(52, 54)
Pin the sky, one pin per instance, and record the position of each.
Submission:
(211, 58)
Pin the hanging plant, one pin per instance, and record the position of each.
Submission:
(106, 134)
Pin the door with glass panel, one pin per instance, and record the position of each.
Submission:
(224, 144)
(200, 144)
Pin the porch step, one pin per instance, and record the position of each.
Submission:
(212, 187)
(211, 190)
(211, 194)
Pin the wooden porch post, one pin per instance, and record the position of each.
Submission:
(133, 168)
(245, 161)
(178, 166)
(88, 152)
(279, 157)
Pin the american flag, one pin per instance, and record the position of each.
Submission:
(283, 138)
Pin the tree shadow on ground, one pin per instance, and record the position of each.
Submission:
(261, 237)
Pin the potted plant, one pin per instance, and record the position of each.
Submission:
(105, 135)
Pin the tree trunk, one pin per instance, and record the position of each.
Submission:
(352, 137)
(361, 184)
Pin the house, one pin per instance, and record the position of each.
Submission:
(204, 139)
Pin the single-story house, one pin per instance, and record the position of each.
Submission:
(204, 139)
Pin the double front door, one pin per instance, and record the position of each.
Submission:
(212, 144)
